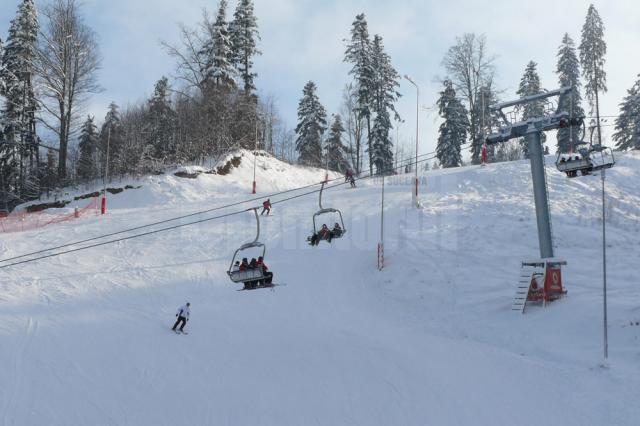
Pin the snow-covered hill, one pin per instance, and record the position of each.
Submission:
(430, 340)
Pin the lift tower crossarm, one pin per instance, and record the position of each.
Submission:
(539, 124)
(528, 99)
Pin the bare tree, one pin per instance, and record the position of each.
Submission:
(470, 67)
(354, 125)
(268, 113)
(191, 65)
(66, 63)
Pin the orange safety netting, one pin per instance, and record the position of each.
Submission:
(24, 221)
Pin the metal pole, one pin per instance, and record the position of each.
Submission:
(326, 167)
(255, 150)
(604, 227)
(381, 245)
(415, 191)
(417, 124)
(604, 270)
(540, 195)
(106, 173)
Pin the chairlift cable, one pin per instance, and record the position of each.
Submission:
(190, 215)
(166, 228)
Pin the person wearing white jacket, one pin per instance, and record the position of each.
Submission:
(183, 316)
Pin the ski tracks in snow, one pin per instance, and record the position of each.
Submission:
(13, 394)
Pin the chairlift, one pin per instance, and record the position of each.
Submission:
(588, 158)
(249, 274)
(330, 233)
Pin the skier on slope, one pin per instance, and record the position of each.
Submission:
(266, 207)
(183, 316)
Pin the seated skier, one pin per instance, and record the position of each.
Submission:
(323, 234)
(337, 231)
(244, 265)
(268, 276)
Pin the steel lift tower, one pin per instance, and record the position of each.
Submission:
(541, 279)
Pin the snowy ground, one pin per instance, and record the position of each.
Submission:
(431, 340)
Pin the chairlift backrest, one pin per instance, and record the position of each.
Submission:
(253, 274)
(323, 211)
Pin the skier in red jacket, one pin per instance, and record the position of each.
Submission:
(266, 207)
(268, 276)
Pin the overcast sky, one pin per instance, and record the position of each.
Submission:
(303, 40)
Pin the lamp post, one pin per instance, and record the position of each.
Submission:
(255, 155)
(415, 190)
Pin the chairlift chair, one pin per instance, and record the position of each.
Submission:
(248, 275)
(323, 211)
(601, 157)
(588, 159)
(575, 162)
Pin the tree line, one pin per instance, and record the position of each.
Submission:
(48, 70)
(368, 109)
(469, 90)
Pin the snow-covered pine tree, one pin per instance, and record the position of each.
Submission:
(160, 121)
(218, 51)
(487, 119)
(2, 71)
(244, 37)
(382, 145)
(358, 54)
(384, 95)
(530, 85)
(18, 115)
(87, 146)
(111, 136)
(453, 130)
(627, 126)
(312, 123)
(336, 153)
(568, 71)
(592, 51)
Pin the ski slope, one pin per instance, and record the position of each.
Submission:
(430, 340)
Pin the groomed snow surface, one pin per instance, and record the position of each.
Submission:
(431, 340)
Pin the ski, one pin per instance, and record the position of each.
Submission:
(271, 286)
